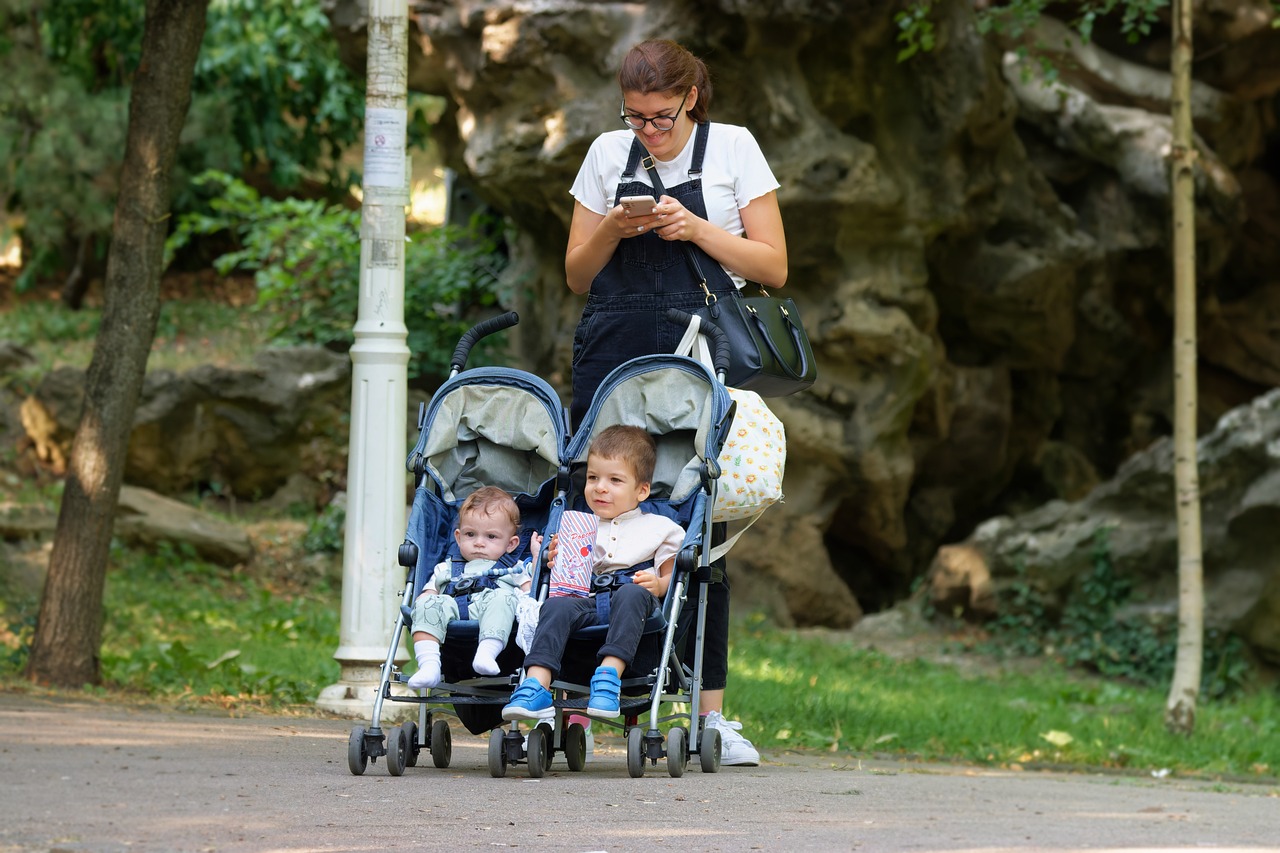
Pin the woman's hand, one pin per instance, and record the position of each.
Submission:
(553, 546)
(674, 221)
(632, 226)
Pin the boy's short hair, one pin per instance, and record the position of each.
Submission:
(632, 445)
(490, 500)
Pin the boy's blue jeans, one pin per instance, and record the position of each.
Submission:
(630, 606)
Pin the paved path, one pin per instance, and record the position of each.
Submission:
(83, 775)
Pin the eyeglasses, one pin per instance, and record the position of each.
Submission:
(662, 124)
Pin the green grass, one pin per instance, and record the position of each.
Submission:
(819, 692)
(189, 332)
(178, 628)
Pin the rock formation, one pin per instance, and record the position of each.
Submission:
(981, 254)
(240, 433)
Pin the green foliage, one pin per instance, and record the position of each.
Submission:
(915, 30)
(294, 107)
(38, 321)
(98, 42)
(51, 117)
(305, 258)
(325, 534)
(1094, 632)
(269, 93)
(1014, 18)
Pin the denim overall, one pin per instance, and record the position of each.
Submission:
(625, 313)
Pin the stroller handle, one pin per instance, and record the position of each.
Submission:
(475, 333)
(719, 340)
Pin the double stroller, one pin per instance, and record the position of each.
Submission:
(497, 426)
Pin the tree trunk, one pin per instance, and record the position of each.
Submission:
(1180, 707)
(68, 631)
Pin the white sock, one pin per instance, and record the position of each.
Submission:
(428, 674)
(486, 660)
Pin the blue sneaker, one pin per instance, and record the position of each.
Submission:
(530, 701)
(605, 687)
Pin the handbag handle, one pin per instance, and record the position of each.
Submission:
(792, 331)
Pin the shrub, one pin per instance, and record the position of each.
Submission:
(1093, 632)
(305, 258)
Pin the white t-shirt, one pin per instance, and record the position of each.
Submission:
(734, 171)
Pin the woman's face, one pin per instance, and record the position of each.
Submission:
(662, 144)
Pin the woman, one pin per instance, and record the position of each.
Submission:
(721, 202)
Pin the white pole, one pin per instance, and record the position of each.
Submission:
(372, 579)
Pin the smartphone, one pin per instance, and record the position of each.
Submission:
(638, 205)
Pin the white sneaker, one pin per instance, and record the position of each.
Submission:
(735, 750)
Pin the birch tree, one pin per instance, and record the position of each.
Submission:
(1180, 707)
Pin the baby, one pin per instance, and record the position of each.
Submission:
(488, 530)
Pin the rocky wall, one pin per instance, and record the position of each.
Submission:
(981, 256)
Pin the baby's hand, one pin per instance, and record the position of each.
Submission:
(535, 544)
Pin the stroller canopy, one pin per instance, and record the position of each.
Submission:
(492, 426)
(676, 400)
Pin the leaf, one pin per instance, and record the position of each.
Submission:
(223, 658)
(1057, 738)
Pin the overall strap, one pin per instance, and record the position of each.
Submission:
(699, 149)
(638, 151)
(633, 159)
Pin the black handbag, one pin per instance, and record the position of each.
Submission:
(769, 350)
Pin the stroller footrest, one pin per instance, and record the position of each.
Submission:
(627, 705)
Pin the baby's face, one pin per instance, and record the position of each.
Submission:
(485, 537)
(612, 487)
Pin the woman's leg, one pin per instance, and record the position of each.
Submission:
(734, 748)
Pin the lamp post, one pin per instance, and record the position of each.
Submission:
(371, 576)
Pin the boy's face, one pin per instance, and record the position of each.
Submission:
(612, 487)
(485, 537)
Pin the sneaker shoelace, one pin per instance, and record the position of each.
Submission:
(729, 728)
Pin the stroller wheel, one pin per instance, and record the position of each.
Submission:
(709, 750)
(411, 732)
(357, 758)
(497, 754)
(548, 740)
(635, 752)
(539, 752)
(677, 751)
(575, 747)
(441, 744)
(397, 747)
